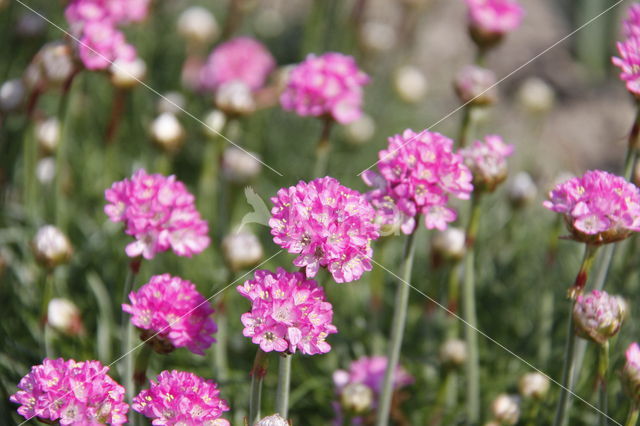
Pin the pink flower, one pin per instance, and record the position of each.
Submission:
(101, 44)
(181, 398)
(631, 25)
(288, 313)
(631, 372)
(629, 64)
(494, 17)
(159, 213)
(598, 208)
(73, 393)
(598, 316)
(476, 85)
(418, 173)
(115, 12)
(487, 161)
(327, 225)
(328, 85)
(171, 309)
(243, 59)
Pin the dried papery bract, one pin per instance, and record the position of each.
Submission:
(51, 247)
(506, 409)
(64, 316)
(534, 385)
(241, 250)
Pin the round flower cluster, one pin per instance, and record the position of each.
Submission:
(172, 311)
(490, 20)
(487, 162)
(159, 212)
(328, 85)
(598, 207)
(179, 397)
(288, 313)
(72, 393)
(629, 64)
(631, 372)
(476, 86)
(598, 316)
(328, 225)
(418, 172)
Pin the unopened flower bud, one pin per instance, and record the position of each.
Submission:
(269, 23)
(453, 353)
(167, 132)
(241, 250)
(56, 60)
(235, 98)
(476, 85)
(631, 372)
(506, 409)
(410, 84)
(171, 102)
(597, 316)
(273, 420)
(521, 190)
(361, 130)
(64, 316)
(534, 385)
(51, 247)
(30, 25)
(356, 398)
(198, 25)
(46, 170)
(48, 135)
(12, 95)
(214, 122)
(488, 162)
(377, 37)
(449, 244)
(128, 74)
(536, 96)
(240, 166)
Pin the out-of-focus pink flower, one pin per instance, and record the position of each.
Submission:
(598, 207)
(115, 12)
(631, 371)
(631, 25)
(159, 213)
(418, 173)
(327, 225)
(329, 85)
(476, 85)
(629, 64)
(487, 161)
(598, 316)
(242, 58)
(288, 313)
(181, 398)
(172, 309)
(101, 44)
(494, 17)
(72, 393)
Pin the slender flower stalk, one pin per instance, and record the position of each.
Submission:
(258, 372)
(323, 148)
(603, 366)
(284, 383)
(127, 330)
(632, 418)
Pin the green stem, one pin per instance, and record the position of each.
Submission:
(258, 372)
(220, 360)
(377, 292)
(322, 149)
(284, 382)
(47, 295)
(632, 418)
(140, 370)
(453, 328)
(466, 126)
(397, 330)
(127, 330)
(603, 366)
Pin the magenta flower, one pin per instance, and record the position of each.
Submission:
(494, 18)
(629, 64)
(487, 161)
(181, 398)
(631, 371)
(159, 213)
(172, 311)
(631, 25)
(101, 44)
(598, 316)
(288, 313)
(327, 225)
(241, 59)
(115, 12)
(418, 173)
(598, 208)
(329, 85)
(72, 393)
(370, 372)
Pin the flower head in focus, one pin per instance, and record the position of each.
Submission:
(487, 161)
(172, 313)
(491, 20)
(181, 398)
(288, 313)
(629, 64)
(598, 316)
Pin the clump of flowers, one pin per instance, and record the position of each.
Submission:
(631, 25)
(629, 64)
(160, 213)
(631, 372)
(598, 316)
(72, 393)
(487, 161)
(242, 59)
(179, 397)
(288, 313)
(598, 207)
(327, 225)
(418, 173)
(329, 85)
(490, 20)
(172, 314)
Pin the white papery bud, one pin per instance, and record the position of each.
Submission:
(48, 134)
(235, 98)
(240, 166)
(273, 420)
(128, 74)
(410, 84)
(356, 398)
(361, 130)
(167, 132)
(377, 36)
(521, 190)
(46, 170)
(534, 385)
(64, 316)
(198, 25)
(51, 247)
(171, 102)
(449, 244)
(12, 95)
(506, 409)
(453, 353)
(536, 96)
(214, 121)
(242, 250)
(57, 63)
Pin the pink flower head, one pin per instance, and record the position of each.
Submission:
(629, 64)
(243, 58)
(418, 172)
(631, 25)
(72, 393)
(327, 225)
(494, 18)
(101, 44)
(328, 85)
(598, 316)
(487, 161)
(370, 372)
(159, 213)
(288, 313)
(598, 207)
(172, 311)
(631, 371)
(181, 398)
(115, 12)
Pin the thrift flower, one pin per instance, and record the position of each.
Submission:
(329, 85)
(487, 162)
(476, 85)
(631, 372)
(51, 247)
(629, 64)
(631, 25)
(327, 225)
(598, 316)
(101, 44)
(159, 213)
(181, 398)
(288, 313)
(490, 20)
(172, 311)
(418, 173)
(598, 208)
(71, 393)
